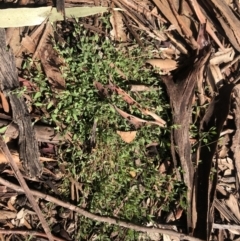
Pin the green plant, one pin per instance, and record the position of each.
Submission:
(205, 137)
(117, 178)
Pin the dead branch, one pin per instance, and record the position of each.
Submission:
(28, 232)
(163, 230)
(24, 186)
(225, 226)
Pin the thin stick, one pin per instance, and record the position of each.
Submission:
(163, 230)
(28, 232)
(25, 188)
(225, 226)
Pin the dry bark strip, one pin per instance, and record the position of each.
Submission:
(43, 133)
(28, 146)
(180, 91)
(163, 230)
(205, 187)
(236, 138)
(25, 188)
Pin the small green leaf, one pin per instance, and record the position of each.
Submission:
(3, 129)
(37, 95)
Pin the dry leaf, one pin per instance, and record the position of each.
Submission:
(25, 223)
(227, 162)
(234, 231)
(5, 104)
(164, 167)
(29, 44)
(20, 219)
(232, 203)
(101, 89)
(10, 203)
(138, 88)
(222, 56)
(117, 32)
(215, 76)
(7, 215)
(166, 237)
(154, 116)
(126, 97)
(48, 55)
(15, 157)
(163, 64)
(133, 174)
(127, 136)
(137, 122)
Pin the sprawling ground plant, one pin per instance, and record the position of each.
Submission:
(117, 178)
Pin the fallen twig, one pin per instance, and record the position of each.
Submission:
(162, 230)
(25, 188)
(225, 226)
(28, 232)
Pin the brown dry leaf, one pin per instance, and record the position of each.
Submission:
(5, 104)
(154, 116)
(14, 38)
(117, 32)
(164, 166)
(140, 88)
(166, 237)
(15, 157)
(163, 64)
(26, 83)
(29, 44)
(179, 46)
(232, 203)
(101, 89)
(7, 215)
(20, 219)
(1, 237)
(226, 162)
(137, 122)
(10, 226)
(33, 40)
(127, 136)
(133, 174)
(23, 2)
(222, 56)
(214, 76)
(132, 119)
(50, 60)
(169, 52)
(10, 203)
(126, 97)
